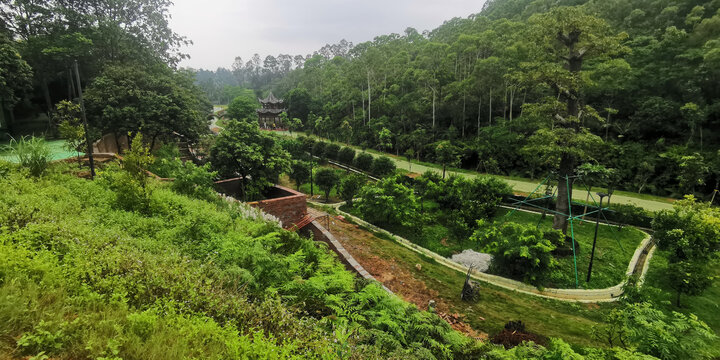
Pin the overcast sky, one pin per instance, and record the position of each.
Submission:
(224, 29)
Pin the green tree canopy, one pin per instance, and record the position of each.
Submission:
(243, 150)
(326, 179)
(154, 99)
(243, 106)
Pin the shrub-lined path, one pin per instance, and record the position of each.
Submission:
(648, 202)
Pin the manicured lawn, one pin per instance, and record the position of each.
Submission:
(615, 247)
(705, 306)
(613, 252)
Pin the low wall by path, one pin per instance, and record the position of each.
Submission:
(319, 233)
(571, 295)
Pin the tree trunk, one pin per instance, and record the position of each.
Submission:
(512, 96)
(587, 198)
(607, 126)
(46, 94)
(369, 98)
(363, 107)
(463, 118)
(490, 111)
(433, 108)
(70, 86)
(478, 118)
(567, 162)
(505, 102)
(564, 193)
(11, 111)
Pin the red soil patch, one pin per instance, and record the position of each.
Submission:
(395, 275)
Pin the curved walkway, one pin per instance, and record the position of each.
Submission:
(640, 260)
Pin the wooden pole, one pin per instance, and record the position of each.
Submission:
(85, 123)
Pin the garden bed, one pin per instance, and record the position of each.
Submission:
(615, 247)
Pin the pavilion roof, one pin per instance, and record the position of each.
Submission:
(270, 99)
(269, 111)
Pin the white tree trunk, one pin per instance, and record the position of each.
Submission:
(479, 112)
(490, 111)
(369, 98)
(512, 96)
(433, 107)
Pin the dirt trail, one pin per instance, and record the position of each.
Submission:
(395, 275)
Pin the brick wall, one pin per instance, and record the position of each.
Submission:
(287, 205)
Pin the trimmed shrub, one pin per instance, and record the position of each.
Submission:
(364, 161)
(346, 155)
(383, 166)
(349, 186)
(326, 179)
(307, 143)
(318, 149)
(331, 151)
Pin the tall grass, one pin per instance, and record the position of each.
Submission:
(33, 154)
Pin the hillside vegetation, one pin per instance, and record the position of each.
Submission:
(82, 278)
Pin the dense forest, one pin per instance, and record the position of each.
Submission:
(122, 55)
(642, 91)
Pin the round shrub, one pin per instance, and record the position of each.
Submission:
(364, 161)
(331, 151)
(319, 149)
(383, 166)
(346, 155)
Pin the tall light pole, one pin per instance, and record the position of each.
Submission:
(597, 225)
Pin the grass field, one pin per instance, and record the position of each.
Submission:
(705, 306)
(613, 252)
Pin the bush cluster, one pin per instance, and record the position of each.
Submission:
(84, 278)
(379, 166)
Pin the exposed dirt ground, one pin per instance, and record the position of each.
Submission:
(396, 275)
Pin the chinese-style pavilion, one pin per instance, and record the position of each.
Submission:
(269, 114)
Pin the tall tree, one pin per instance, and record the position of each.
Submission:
(568, 37)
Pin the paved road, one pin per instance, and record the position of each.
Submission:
(524, 186)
